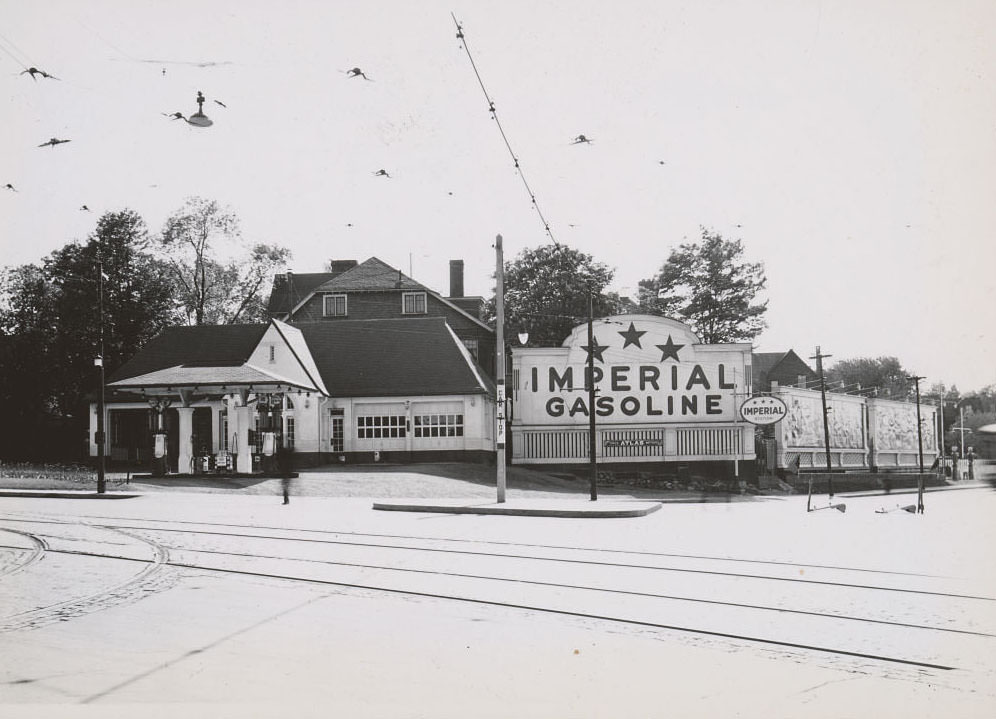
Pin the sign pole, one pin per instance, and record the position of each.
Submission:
(500, 369)
(593, 468)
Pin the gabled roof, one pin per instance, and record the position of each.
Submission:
(392, 358)
(767, 363)
(352, 358)
(202, 345)
(290, 288)
(764, 362)
(374, 274)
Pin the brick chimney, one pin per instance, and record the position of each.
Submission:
(456, 278)
(337, 267)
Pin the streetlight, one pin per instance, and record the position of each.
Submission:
(199, 119)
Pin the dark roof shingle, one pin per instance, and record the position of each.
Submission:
(392, 358)
(201, 345)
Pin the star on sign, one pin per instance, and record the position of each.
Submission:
(632, 336)
(596, 350)
(669, 349)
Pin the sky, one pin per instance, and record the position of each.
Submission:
(850, 146)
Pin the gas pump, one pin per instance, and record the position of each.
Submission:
(157, 407)
(269, 407)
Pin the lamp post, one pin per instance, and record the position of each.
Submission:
(99, 361)
(919, 439)
(199, 119)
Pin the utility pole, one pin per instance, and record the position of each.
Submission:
(919, 439)
(101, 478)
(500, 369)
(591, 400)
(819, 357)
(940, 434)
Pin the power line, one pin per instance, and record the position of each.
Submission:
(504, 136)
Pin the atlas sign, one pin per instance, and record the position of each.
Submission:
(763, 410)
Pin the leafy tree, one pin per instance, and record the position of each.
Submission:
(711, 288)
(885, 373)
(219, 279)
(547, 289)
(51, 318)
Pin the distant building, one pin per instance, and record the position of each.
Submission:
(783, 368)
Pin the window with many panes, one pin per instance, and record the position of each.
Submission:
(289, 433)
(379, 427)
(336, 434)
(334, 305)
(413, 303)
(439, 425)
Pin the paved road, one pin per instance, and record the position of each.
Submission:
(325, 604)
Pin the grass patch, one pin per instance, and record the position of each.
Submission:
(30, 475)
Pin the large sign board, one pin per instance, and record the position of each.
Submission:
(646, 370)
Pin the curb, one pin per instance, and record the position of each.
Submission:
(41, 493)
(640, 511)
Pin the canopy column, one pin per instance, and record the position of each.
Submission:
(243, 457)
(185, 461)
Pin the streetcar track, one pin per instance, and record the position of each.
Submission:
(150, 578)
(581, 615)
(589, 562)
(495, 542)
(37, 552)
(555, 585)
(558, 585)
(162, 559)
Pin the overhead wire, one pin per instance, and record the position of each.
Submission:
(504, 136)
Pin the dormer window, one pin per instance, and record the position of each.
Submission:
(334, 305)
(413, 303)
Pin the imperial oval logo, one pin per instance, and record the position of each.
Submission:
(763, 410)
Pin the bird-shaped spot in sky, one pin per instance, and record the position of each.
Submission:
(357, 72)
(581, 139)
(84, 208)
(661, 162)
(53, 142)
(219, 102)
(174, 115)
(10, 187)
(35, 71)
(164, 72)
(382, 173)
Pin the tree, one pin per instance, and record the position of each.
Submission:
(711, 288)
(51, 318)
(219, 279)
(885, 373)
(547, 289)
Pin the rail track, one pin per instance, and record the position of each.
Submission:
(863, 614)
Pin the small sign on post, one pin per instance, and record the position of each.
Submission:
(763, 410)
(500, 415)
